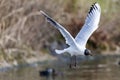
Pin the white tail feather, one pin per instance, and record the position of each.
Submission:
(59, 51)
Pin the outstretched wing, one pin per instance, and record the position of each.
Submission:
(91, 24)
(69, 39)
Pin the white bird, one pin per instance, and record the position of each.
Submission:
(77, 45)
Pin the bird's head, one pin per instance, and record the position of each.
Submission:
(87, 52)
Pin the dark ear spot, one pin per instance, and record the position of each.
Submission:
(87, 52)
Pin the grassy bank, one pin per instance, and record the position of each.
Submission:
(24, 33)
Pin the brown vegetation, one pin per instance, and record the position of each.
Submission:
(24, 33)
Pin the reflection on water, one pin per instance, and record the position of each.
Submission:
(94, 68)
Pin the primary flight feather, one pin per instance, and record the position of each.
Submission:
(91, 24)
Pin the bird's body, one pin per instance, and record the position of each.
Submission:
(77, 45)
(72, 50)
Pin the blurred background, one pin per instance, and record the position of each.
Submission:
(25, 35)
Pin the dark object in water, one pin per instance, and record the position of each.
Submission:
(48, 72)
(119, 63)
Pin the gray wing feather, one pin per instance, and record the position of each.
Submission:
(91, 24)
(69, 39)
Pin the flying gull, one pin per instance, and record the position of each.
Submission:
(77, 45)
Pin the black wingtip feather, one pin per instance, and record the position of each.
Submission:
(92, 7)
(48, 18)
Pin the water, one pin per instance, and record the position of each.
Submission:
(91, 68)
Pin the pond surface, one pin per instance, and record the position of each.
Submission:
(88, 68)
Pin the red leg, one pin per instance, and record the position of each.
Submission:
(70, 65)
(75, 64)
